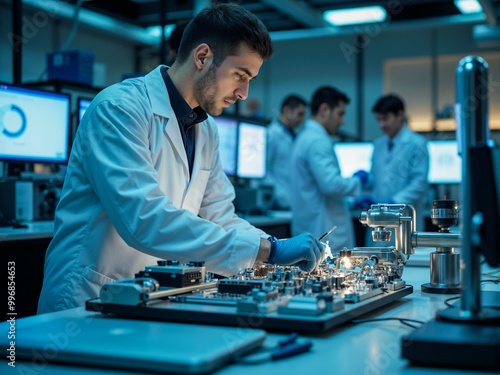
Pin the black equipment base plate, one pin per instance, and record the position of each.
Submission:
(166, 310)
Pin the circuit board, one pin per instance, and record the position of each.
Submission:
(274, 298)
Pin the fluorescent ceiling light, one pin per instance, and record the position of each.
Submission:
(468, 6)
(351, 16)
(155, 31)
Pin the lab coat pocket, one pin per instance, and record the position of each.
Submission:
(196, 191)
(96, 277)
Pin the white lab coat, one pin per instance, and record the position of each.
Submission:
(401, 174)
(318, 190)
(128, 200)
(279, 163)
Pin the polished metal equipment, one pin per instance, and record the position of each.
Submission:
(467, 335)
(472, 131)
(444, 262)
(342, 288)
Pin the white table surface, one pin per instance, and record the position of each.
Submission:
(368, 348)
(35, 230)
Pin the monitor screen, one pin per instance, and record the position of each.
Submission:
(445, 165)
(353, 156)
(34, 125)
(83, 104)
(252, 150)
(228, 132)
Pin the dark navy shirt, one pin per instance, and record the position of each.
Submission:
(186, 117)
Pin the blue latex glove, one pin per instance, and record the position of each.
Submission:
(362, 175)
(364, 202)
(303, 251)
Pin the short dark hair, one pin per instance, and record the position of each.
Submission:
(224, 27)
(328, 95)
(390, 103)
(293, 101)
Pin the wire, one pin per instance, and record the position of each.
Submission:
(448, 300)
(404, 321)
(495, 274)
(287, 347)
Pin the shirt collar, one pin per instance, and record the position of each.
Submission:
(185, 115)
(289, 131)
(400, 136)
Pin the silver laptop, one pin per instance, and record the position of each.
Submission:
(78, 337)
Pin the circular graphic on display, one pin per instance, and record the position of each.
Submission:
(12, 121)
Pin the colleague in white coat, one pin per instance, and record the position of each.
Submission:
(145, 181)
(400, 163)
(280, 138)
(318, 190)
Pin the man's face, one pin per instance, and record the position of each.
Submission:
(219, 87)
(335, 118)
(390, 123)
(294, 116)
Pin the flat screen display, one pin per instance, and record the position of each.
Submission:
(83, 104)
(353, 156)
(252, 150)
(34, 125)
(228, 141)
(445, 165)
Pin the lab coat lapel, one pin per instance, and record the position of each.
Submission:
(175, 138)
(201, 136)
(160, 103)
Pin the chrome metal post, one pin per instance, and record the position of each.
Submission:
(472, 130)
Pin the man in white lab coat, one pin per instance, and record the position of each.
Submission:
(280, 138)
(318, 190)
(400, 163)
(145, 181)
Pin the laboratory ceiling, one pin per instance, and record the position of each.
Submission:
(285, 19)
(284, 15)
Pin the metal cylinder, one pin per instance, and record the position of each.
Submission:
(472, 129)
(435, 239)
(445, 269)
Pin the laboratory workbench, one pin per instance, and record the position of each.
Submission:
(363, 348)
(27, 248)
(34, 230)
(45, 229)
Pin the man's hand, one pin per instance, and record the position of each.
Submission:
(303, 251)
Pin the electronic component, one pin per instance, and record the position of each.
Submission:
(341, 288)
(170, 273)
(131, 292)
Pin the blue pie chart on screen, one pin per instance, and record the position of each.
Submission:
(15, 115)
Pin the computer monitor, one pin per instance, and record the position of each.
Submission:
(445, 165)
(228, 141)
(83, 104)
(34, 125)
(353, 156)
(252, 150)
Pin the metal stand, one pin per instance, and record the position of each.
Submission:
(445, 262)
(467, 336)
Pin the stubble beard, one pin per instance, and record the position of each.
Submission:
(206, 91)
